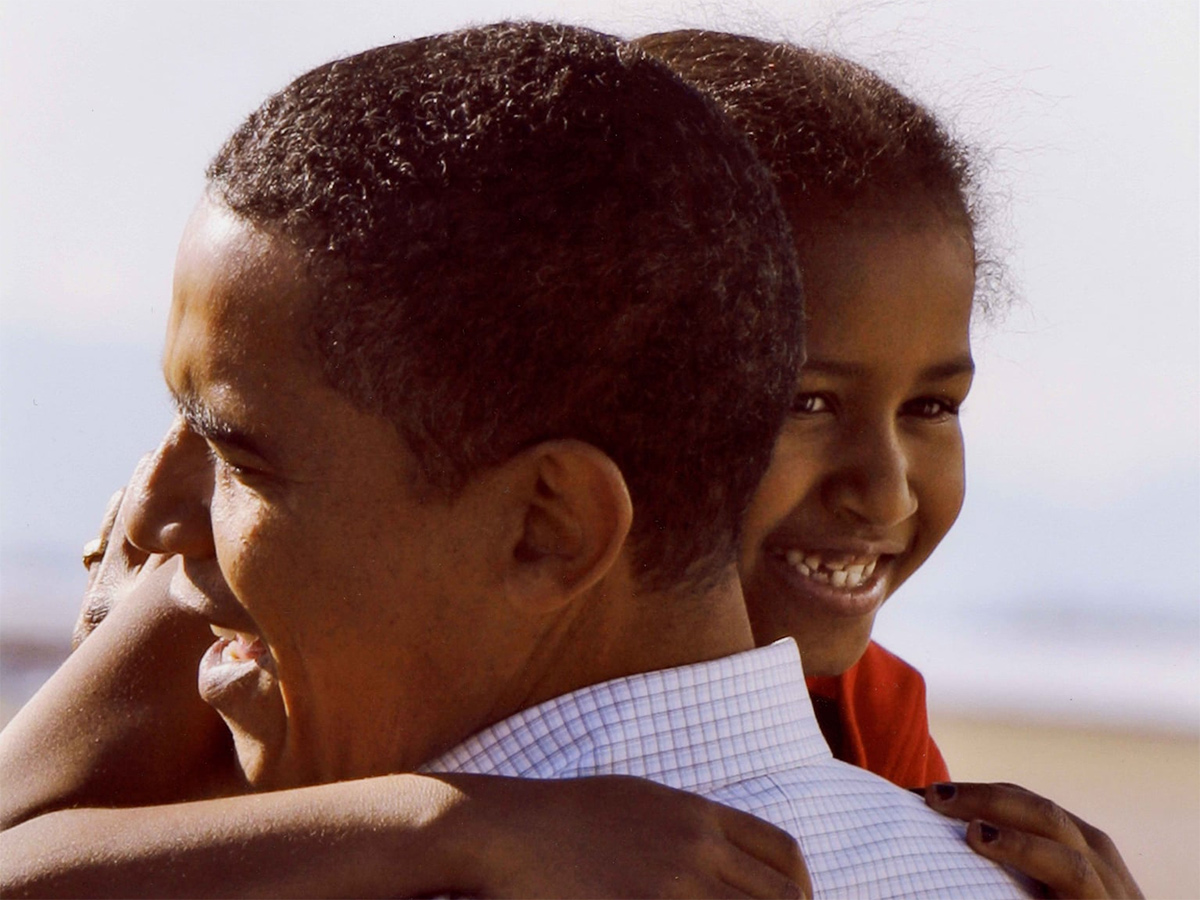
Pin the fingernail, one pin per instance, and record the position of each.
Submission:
(988, 833)
(945, 791)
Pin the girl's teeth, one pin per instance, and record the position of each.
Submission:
(837, 573)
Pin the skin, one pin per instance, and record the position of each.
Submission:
(870, 464)
(398, 835)
(868, 470)
(1037, 836)
(265, 479)
(274, 488)
(266, 492)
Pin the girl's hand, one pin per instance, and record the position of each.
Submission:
(616, 836)
(113, 564)
(1039, 838)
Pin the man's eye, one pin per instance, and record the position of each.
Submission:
(808, 404)
(222, 462)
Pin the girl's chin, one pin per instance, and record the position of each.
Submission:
(805, 597)
(827, 649)
(832, 627)
(826, 662)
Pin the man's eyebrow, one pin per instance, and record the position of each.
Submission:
(202, 421)
(960, 365)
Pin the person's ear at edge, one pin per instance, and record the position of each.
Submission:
(573, 518)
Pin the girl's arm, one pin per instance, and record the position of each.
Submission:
(407, 835)
(1037, 837)
(121, 723)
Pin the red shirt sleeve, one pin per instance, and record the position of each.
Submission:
(882, 723)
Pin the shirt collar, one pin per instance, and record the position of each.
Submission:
(692, 727)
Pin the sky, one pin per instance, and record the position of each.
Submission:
(1081, 533)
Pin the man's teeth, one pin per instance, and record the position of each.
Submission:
(239, 647)
(839, 574)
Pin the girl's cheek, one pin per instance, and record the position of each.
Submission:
(781, 487)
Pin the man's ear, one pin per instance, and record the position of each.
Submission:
(574, 515)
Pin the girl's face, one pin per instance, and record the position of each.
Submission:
(867, 475)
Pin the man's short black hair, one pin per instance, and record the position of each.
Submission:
(524, 232)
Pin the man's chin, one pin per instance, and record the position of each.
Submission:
(248, 699)
(273, 766)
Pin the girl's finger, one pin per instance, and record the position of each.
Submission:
(1065, 871)
(767, 844)
(754, 878)
(93, 550)
(1010, 807)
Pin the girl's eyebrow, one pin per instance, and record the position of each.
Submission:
(833, 367)
(959, 365)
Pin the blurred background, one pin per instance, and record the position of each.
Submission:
(1059, 624)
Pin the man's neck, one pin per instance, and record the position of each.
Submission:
(620, 631)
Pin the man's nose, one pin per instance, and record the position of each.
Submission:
(873, 484)
(169, 495)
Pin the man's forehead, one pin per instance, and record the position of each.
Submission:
(230, 271)
(238, 303)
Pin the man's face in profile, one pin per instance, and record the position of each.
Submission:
(357, 597)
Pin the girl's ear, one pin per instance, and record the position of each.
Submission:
(574, 515)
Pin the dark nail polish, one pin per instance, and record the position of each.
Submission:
(945, 791)
(988, 833)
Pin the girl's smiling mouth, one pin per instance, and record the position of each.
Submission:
(839, 572)
(844, 584)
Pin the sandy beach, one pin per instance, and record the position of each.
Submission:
(1141, 787)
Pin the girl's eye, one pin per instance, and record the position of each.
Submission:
(808, 404)
(931, 407)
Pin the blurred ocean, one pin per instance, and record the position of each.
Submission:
(1061, 660)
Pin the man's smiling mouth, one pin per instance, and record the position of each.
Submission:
(238, 665)
(238, 646)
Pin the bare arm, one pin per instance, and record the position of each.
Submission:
(96, 768)
(406, 835)
(401, 835)
(334, 840)
(121, 723)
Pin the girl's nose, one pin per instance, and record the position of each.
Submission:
(873, 485)
(168, 498)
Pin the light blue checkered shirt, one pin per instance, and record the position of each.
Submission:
(741, 731)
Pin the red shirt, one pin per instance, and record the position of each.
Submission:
(874, 716)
